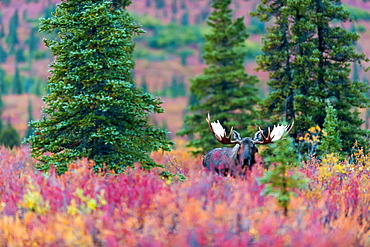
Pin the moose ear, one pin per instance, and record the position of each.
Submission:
(236, 135)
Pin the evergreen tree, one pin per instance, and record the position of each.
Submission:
(367, 112)
(93, 108)
(181, 86)
(29, 131)
(12, 38)
(1, 112)
(185, 19)
(193, 100)
(17, 82)
(9, 136)
(159, 4)
(29, 82)
(308, 57)
(25, 15)
(1, 122)
(39, 88)
(355, 76)
(177, 87)
(277, 180)
(2, 33)
(184, 54)
(330, 142)
(174, 7)
(174, 87)
(3, 54)
(144, 84)
(1, 105)
(19, 56)
(2, 82)
(33, 42)
(166, 90)
(165, 127)
(6, 2)
(224, 89)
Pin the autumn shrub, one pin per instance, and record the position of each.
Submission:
(308, 142)
(138, 208)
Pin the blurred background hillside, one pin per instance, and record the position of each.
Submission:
(166, 56)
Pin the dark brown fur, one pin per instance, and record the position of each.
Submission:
(232, 161)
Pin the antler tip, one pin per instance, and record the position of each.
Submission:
(208, 118)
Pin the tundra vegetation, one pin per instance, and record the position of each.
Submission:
(137, 207)
(82, 182)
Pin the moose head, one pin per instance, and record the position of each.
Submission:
(235, 161)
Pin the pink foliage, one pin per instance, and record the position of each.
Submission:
(139, 208)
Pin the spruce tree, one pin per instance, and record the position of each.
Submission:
(33, 42)
(330, 142)
(29, 131)
(1, 105)
(224, 89)
(12, 38)
(367, 111)
(278, 182)
(17, 82)
(159, 4)
(2, 33)
(3, 89)
(19, 56)
(3, 54)
(6, 2)
(144, 84)
(9, 136)
(174, 87)
(185, 19)
(308, 56)
(174, 7)
(93, 109)
(1, 113)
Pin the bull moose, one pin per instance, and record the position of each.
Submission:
(235, 161)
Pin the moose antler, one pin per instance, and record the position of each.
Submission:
(276, 134)
(219, 132)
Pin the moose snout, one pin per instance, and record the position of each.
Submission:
(248, 160)
(247, 155)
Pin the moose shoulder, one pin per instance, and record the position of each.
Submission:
(235, 161)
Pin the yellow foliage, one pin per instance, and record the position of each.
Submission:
(92, 204)
(88, 204)
(2, 206)
(34, 201)
(72, 209)
(330, 159)
(315, 129)
(330, 166)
